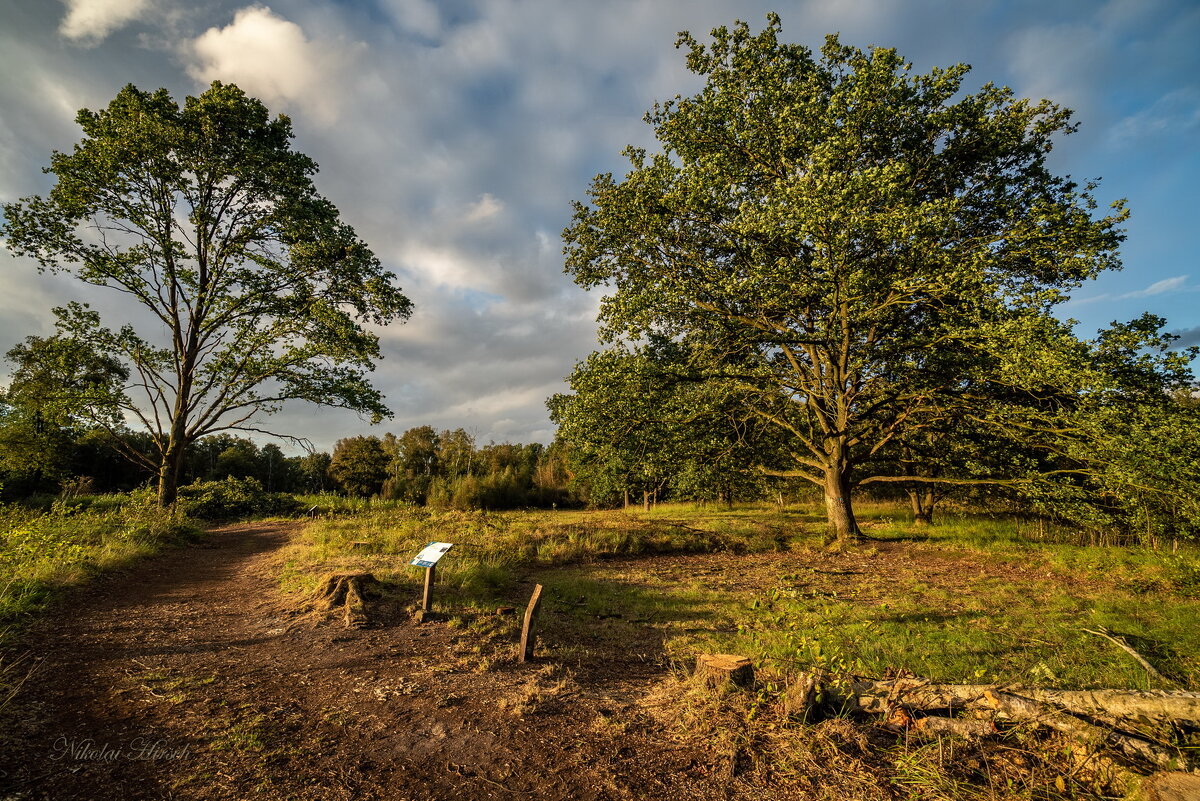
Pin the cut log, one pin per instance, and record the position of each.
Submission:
(880, 696)
(725, 670)
(957, 727)
(1019, 708)
(801, 696)
(1170, 786)
(1155, 705)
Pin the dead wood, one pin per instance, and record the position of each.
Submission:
(801, 695)
(959, 727)
(722, 670)
(881, 696)
(1172, 786)
(1155, 705)
(1019, 708)
(348, 590)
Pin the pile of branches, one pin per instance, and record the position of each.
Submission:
(1117, 732)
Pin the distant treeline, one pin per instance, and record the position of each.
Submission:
(421, 466)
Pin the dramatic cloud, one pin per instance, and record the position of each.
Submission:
(454, 134)
(1187, 337)
(89, 21)
(271, 58)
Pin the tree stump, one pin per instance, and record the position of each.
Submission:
(725, 670)
(348, 590)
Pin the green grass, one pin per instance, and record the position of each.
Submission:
(45, 551)
(972, 599)
(969, 603)
(493, 548)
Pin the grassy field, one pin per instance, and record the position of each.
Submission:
(44, 551)
(969, 600)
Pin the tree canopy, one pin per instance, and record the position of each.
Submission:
(853, 243)
(203, 215)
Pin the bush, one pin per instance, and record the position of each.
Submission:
(233, 498)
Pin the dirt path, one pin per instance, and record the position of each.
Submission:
(188, 677)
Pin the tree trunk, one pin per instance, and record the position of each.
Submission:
(922, 507)
(838, 509)
(646, 500)
(170, 472)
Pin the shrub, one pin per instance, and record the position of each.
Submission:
(233, 498)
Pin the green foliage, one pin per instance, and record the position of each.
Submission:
(58, 383)
(843, 235)
(359, 465)
(204, 215)
(445, 470)
(644, 420)
(233, 498)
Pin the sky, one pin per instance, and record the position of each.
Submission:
(454, 135)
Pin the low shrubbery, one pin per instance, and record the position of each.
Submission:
(233, 498)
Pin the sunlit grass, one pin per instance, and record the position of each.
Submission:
(42, 552)
(971, 599)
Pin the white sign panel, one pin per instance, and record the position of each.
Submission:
(431, 553)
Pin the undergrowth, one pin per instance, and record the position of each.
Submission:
(42, 552)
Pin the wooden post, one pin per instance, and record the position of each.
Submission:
(528, 634)
(427, 595)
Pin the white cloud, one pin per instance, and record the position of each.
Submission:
(1177, 111)
(419, 16)
(89, 21)
(271, 58)
(483, 209)
(1160, 287)
(1176, 283)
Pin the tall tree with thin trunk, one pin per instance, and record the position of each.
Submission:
(844, 232)
(203, 215)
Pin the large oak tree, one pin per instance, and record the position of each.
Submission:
(204, 215)
(843, 233)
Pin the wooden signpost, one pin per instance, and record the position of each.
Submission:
(528, 632)
(428, 559)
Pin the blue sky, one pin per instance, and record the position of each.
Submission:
(453, 136)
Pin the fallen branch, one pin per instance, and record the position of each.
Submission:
(1155, 705)
(1019, 708)
(1120, 642)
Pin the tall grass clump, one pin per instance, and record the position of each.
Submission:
(491, 548)
(44, 551)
